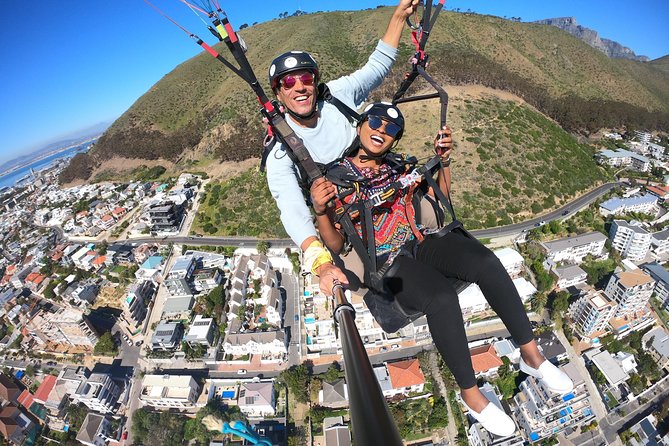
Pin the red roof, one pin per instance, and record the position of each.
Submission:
(99, 260)
(485, 358)
(45, 389)
(118, 210)
(11, 269)
(26, 399)
(107, 217)
(35, 278)
(405, 374)
(660, 191)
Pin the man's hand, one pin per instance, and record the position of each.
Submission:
(407, 7)
(329, 274)
(322, 191)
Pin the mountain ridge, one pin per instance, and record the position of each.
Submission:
(201, 108)
(609, 47)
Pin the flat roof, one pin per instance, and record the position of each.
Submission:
(570, 242)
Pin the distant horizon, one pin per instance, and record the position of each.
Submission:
(84, 132)
(84, 76)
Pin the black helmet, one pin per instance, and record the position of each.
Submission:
(291, 61)
(387, 111)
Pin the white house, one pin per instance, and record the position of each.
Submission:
(257, 399)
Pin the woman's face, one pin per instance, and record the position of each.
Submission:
(377, 135)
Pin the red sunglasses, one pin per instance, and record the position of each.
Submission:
(289, 80)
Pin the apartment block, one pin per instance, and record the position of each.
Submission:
(661, 277)
(179, 280)
(201, 331)
(134, 304)
(541, 413)
(67, 326)
(631, 290)
(591, 313)
(574, 249)
(630, 240)
(642, 203)
(99, 393)
(166, 216)
(169, 391)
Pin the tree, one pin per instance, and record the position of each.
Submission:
(333, 373)
(637, 383)
(262, 246)
(297, 380)
(106, 345)
(30, 370)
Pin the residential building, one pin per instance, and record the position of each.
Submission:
(67, 326)
(485, 360)
(574, 249)
(167, 336)
(541, 413)
(96, 430)
(550, 346)
(631, 290)
(647, 433)
(15, 425)
(201, 331)
(657, 342)
(334, 394)
(9, 391)
(660, 191)
(178, 307)
(630, 240)
(179, 281)
(511, 260)
(144, 251)
(591, 313)
(569, 275)
(169, 391)
(257, 399)
(99, 393)
(624, 158)
(336, 433)
(405, 377)
(609, 367)
(661, 277)
(267, 344)
(646, 204)
(206, 279)
(660, 243)
(135, 304)
(166, 216)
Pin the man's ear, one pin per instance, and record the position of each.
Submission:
(358, 130)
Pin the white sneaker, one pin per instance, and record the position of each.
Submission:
(494, 420)
(550, 376)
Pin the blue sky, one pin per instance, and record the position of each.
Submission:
(71, 64)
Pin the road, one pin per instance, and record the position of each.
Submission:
(580, 202)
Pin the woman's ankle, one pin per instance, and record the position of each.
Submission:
(474, 399)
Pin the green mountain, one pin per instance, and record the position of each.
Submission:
(514, 87)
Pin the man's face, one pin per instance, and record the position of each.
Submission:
(297, 91)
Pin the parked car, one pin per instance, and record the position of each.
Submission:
(241, 372)
(124, 436)
(395, 346)
(138, 343)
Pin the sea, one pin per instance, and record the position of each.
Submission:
(14, 177)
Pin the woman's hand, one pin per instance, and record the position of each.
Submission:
(322, 191)
(443, 144)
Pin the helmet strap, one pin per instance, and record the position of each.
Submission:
(309, 115)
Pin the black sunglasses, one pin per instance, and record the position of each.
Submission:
(391, 129)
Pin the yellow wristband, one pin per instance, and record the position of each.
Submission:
(323, 258)
(315, 255)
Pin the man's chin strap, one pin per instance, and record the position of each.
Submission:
(299, 116)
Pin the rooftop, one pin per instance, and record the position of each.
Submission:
(571, 242)
(634, 278)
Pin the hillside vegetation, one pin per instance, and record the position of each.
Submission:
(510, 162)
(200, 108)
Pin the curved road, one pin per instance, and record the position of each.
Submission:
(502, 231)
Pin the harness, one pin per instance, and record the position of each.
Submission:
(363, 209)
(325, 95)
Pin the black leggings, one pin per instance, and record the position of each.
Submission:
(422, 284)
